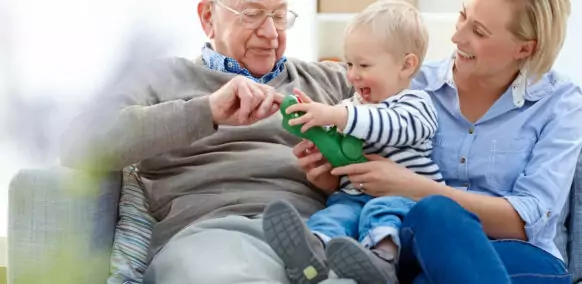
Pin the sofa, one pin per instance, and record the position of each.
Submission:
(62, 224)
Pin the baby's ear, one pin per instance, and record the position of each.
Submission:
(409, 65)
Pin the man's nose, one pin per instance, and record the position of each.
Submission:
(268, 29)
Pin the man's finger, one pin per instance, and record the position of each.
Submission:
(278, 98)
(299, 149)
(309, 160)
(274, 109)
(266, 105)
(259, 94)
(246, 102)
(319, 170)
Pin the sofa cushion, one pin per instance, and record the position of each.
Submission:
(133, 232)
(574, 225)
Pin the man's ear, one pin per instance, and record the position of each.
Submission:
(205, 14)
(409, 65)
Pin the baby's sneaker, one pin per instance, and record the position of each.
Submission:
(350, 260)
(301, 251)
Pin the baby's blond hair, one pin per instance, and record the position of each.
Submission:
(398, 23)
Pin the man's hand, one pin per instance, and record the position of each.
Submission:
(317, 114)
(242, 101)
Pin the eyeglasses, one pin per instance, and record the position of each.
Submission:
(252, 18)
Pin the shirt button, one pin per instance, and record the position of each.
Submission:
(471, 130)
(463, 160)
(229, 64)
(548, 214)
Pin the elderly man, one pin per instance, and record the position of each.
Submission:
(207, 136)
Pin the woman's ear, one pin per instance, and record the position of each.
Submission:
(409, 65)
(205, 14)
(526, 49)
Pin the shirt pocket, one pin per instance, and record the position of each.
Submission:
(445, 153)
(507, 160)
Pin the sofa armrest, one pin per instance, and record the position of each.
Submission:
(574, 223)
(61, 225)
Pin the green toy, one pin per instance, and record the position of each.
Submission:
(337, 148)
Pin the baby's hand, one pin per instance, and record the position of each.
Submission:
(317, 114)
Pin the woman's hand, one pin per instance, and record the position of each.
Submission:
(316, 168)
(381, 177)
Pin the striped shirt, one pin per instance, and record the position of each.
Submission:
(400, 128)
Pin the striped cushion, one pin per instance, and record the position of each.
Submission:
(133, 232)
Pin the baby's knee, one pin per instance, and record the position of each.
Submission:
(387, 204)
(389, 201)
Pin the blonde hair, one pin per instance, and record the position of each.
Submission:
(546, 23)
(398, 23)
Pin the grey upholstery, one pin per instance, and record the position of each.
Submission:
(61, 226)
(46, 204)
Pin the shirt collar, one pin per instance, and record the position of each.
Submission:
(219, 62)
(522, 88)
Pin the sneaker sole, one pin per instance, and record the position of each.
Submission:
(286, 233)
(349, 260)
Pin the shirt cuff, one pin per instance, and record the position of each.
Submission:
(531, 213)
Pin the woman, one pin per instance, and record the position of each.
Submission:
(508, 143)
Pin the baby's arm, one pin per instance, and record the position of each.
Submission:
(406, 121)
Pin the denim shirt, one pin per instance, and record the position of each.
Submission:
(219, 62)
(523, 149)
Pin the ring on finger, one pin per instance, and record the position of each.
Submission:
(361, 187)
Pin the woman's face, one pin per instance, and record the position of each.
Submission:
(485, 46)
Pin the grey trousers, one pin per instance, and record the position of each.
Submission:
(220, 251)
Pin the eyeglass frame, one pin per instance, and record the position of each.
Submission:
(240, 14)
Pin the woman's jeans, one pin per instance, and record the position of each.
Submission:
(444, 243)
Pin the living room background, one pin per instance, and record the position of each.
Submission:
(62, 53)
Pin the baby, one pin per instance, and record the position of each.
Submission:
(384, 46)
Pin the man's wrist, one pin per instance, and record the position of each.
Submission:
(213, 111)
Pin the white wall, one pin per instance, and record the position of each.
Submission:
(442, 6)
(55, 55)
(570, 59)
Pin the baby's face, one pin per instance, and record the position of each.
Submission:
(372, 70)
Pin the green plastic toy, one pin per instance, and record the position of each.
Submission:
(337, 148)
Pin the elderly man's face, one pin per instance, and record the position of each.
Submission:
(255, 44)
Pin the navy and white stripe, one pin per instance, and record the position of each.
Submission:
(400, 128)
